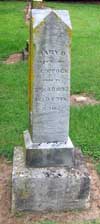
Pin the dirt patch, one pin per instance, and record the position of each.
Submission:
(14, 58)
(62, 217)
(82, 100)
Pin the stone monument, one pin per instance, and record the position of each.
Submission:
(49, 174)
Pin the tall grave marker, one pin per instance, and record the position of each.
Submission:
(58, 179)
(50, 106)
(50, 86)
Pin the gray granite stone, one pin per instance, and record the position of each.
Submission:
(49, 189)
(51, 69)
(48, 154)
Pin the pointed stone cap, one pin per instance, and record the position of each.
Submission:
(40, 14)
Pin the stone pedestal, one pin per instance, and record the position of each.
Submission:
(48, 154)
(50, 188)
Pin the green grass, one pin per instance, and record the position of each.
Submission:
(13, 31)
(13, 112)
(52, 222)
(13, 78)
(84, 121)
(84, 129)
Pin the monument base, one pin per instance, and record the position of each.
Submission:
(54, 154)
(50, 188)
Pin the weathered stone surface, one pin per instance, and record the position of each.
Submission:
(48, 154)
(48, 157)
(49, 189)
(51, 69)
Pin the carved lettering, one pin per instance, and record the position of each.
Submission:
(49, 52)
(54, 70)
(50, 89)
(50, 99)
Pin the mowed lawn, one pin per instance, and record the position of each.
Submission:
(13, 77)
(85, 76)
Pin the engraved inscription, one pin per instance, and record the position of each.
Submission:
(54, 75)
(52, 52)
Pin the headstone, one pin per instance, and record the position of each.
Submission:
(50, 108)
(50, 84)
(50, 174)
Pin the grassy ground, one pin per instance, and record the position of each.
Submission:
(89, 222)
(51, 222)
(12, 28)
(13, 101)
(84, 121)
(13, 78)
